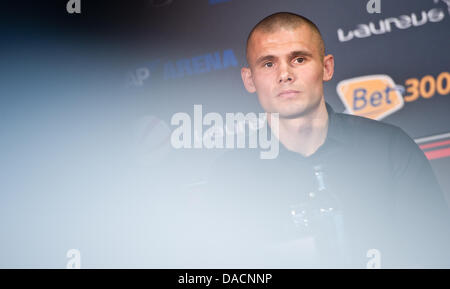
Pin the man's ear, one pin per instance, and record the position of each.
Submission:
(328, 67)
(246, 75)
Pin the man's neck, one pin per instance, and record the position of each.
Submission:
(305, 134)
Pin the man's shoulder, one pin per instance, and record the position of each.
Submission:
(352, 128)
(364, 124)
(377, 137)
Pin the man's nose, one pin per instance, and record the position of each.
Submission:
(286, 74)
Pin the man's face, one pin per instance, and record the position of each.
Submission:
(287, 71)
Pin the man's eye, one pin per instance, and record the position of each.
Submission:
(299, 59)
(268, 64)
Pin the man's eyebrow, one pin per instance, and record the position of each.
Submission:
(264, 58)
(291, 55)
(300, 53)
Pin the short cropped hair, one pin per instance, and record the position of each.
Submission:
(286, 20)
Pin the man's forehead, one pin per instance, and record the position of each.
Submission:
(301, 38)
(300, 32)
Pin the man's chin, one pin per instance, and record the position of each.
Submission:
(295, 110)
(290, 113)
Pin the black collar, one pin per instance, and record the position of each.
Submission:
(335, 129)
(334, 140)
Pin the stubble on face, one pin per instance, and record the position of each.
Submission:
(306, 78)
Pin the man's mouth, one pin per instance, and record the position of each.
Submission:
(288, 93)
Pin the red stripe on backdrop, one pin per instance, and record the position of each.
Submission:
(435, 144)
(437, 154)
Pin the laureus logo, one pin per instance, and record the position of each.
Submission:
(387, 25)
(447, 2)
(373, 6)
(73, 6)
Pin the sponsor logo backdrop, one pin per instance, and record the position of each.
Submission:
(391, 66)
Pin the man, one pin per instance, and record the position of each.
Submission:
(346, 185)
(287, 68)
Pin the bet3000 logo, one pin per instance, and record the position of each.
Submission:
(372, 96)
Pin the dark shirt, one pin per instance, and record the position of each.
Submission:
(379, 185)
